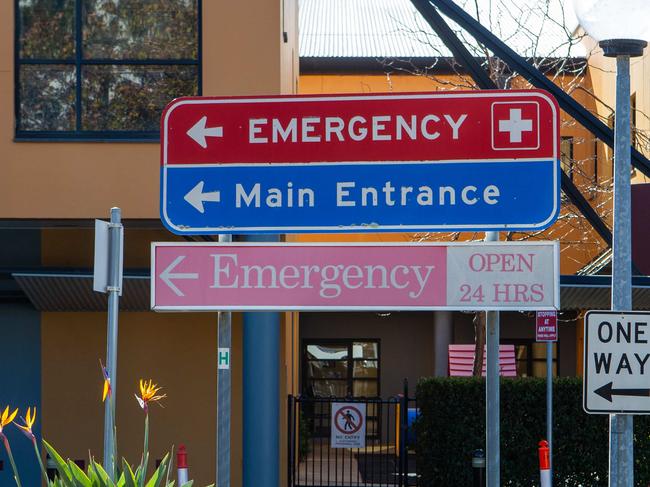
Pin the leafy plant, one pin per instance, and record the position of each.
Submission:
(70, 475)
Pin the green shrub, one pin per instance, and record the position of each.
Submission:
(452, 425)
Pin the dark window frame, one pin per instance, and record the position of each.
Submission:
(77, 134)
(528, 343)
(349, 380)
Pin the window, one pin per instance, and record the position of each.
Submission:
(530, 358)
(103, 68)
(566, 156)
(341, 368)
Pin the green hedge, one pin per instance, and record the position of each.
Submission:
(452, 425)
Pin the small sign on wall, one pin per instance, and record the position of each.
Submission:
(348, 425)
(223, 358)
(546, 326)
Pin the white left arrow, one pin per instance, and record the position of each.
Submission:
(167, 275)
(196, 197)
(199, 132)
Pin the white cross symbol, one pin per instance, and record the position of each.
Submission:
(515, 125)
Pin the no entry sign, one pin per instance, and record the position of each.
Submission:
(348, 425)
(210, 276)
(481, 160)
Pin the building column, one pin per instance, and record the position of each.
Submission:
(261, 378)
(442, 338)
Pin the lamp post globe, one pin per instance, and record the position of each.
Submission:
(621, 27)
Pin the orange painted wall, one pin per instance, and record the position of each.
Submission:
(178, 351)
(83, 180)
(72, 180)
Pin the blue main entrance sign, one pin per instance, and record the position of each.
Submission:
(433, 161)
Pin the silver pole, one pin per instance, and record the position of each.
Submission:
(492, 400)
(621, 448)
(113, 289)
(549, 404)
(223, 396)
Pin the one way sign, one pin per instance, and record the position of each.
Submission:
(616, 363)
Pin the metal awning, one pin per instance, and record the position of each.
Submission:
(61, 291)
(74, 292)
(593, 292)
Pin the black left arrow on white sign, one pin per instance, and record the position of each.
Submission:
(607, 391)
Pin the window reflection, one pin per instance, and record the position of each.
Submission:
(331, 352)
(364, 350)
(47, 94)
(341, 368)
(328, 369)
(366, 368)
(132, 97)
(365, 388)
(46, 29)
(140, 29)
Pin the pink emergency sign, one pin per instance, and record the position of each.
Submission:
(210, 276)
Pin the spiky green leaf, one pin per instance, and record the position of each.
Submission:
(159, 474)
(79, 478)
(99, 477)
(129, 476)
(61, 466)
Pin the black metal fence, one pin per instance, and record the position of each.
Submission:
(387, 459)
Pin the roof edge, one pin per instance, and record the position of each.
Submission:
(413, 65)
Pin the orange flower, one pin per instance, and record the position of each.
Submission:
(148, 393)
(107, 382)
(6, 418)
(29, 422)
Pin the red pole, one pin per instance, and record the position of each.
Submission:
(181, 465)
(544, 464)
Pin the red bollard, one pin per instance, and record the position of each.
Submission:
(544, 464)
(181, 465)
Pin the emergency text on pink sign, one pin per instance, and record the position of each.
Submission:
(210, 276)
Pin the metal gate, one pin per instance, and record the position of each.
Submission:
(388, 458)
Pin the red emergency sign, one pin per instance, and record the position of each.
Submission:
(436, 126)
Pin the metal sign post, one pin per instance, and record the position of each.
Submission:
(492, 392)
(546, 330)
(109, 255)
(224, 392)
(549, 403)
(621, 434)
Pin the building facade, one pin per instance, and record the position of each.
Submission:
(83, 84)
